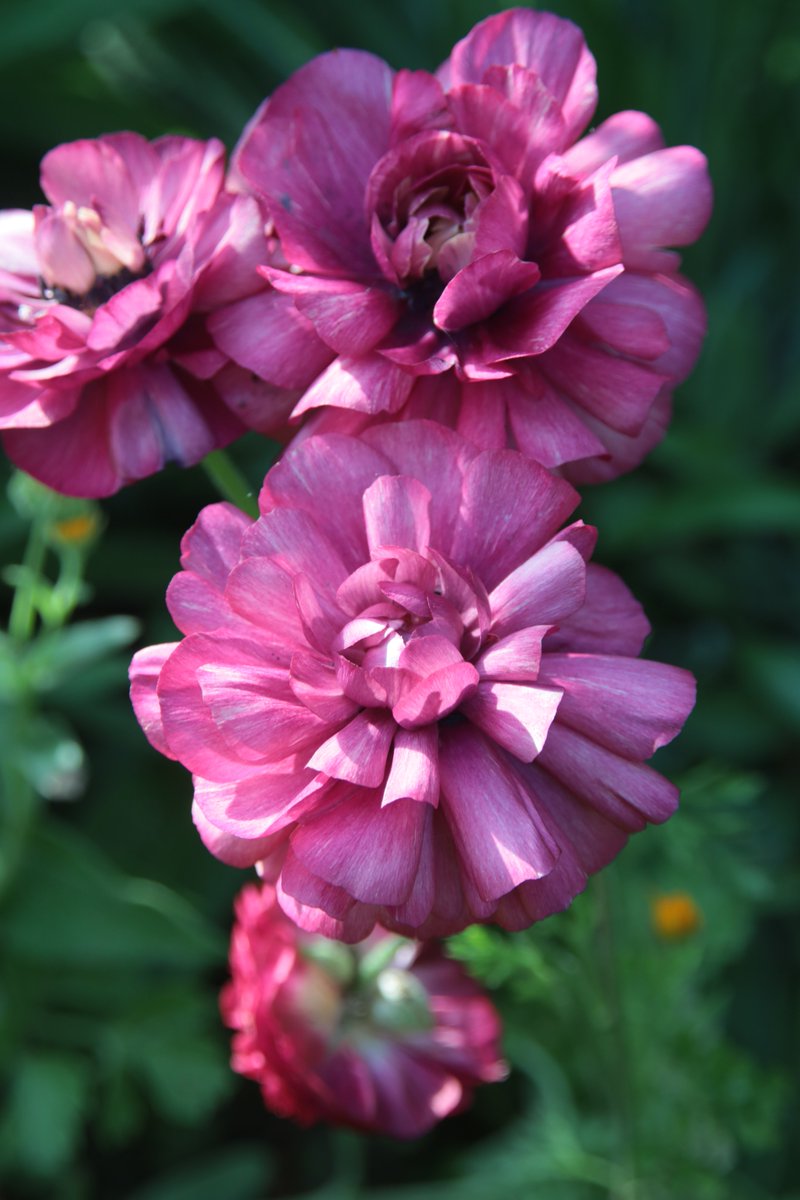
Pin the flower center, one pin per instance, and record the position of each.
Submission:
(409, 649)
(83, 259)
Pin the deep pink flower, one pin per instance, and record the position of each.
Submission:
(404, 692)
(107, 370)
(388, 1036)
(464, 257)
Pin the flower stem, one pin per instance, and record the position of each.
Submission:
(22, 617)
(230, 482)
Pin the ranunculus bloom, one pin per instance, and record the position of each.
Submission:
(464, 257)
(107, 370)
(387, 1036)
(404, 692)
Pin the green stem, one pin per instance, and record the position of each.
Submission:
(229, 482)
(22, 618)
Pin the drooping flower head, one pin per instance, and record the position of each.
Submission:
(107, 370)
(404, 693)
(464, 256)
(388, 1036)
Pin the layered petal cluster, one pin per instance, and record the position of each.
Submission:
(464, 254)
(404, 693)
(388, 1036)
(107, 368)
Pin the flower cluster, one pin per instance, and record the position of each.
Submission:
(405, 693)
(388, 1036)
(459, 252)
(107, 367)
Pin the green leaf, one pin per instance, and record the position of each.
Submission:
(76, 908)
(56, 655)
(44, 1113)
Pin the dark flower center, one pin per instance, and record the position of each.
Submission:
(101, 291)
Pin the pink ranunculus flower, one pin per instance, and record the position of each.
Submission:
(387, 1036)
(403, 692)
(464, 256)
(107, 368)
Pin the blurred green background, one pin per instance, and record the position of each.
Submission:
(644, 1067)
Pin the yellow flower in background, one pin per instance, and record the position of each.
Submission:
(675, 915)
(77, 530)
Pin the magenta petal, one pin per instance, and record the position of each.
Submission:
(658, 318)
(482, 287)
(91, 174)
(501, 219)
(248, 708)
(435, 696)
(436, 457)
(611, 620)
(415, 910)
(209, 551)
(545, 427)
(261, 804)
(351, 321)
(623, 136)
(371, 385)
(515, 716)
(357, 753)
(546, 588)
(123, 428)
(294, 541)
(418, 102)
(533, 323)
(586, 832)
(623, 451)
(629, 705)
(17, 249)
(189, 730)
(500, 838)
(348, 467)
(310, 154)
(423, 656)
(320, 615)
(144, 673)
(627, 793)
(494, 537)
(631, 329)
(320, 907)
(288, 353)
(211, 547)
(261, 592)
(616, 391)
(28, 406)
(414, 773)
(234, 851)
(396, 513)
(662, 199)
(369, 851)
(315, 683)
(126, 317)
(514, 657)
(552, 48)
(515, 114)
(589, 238)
